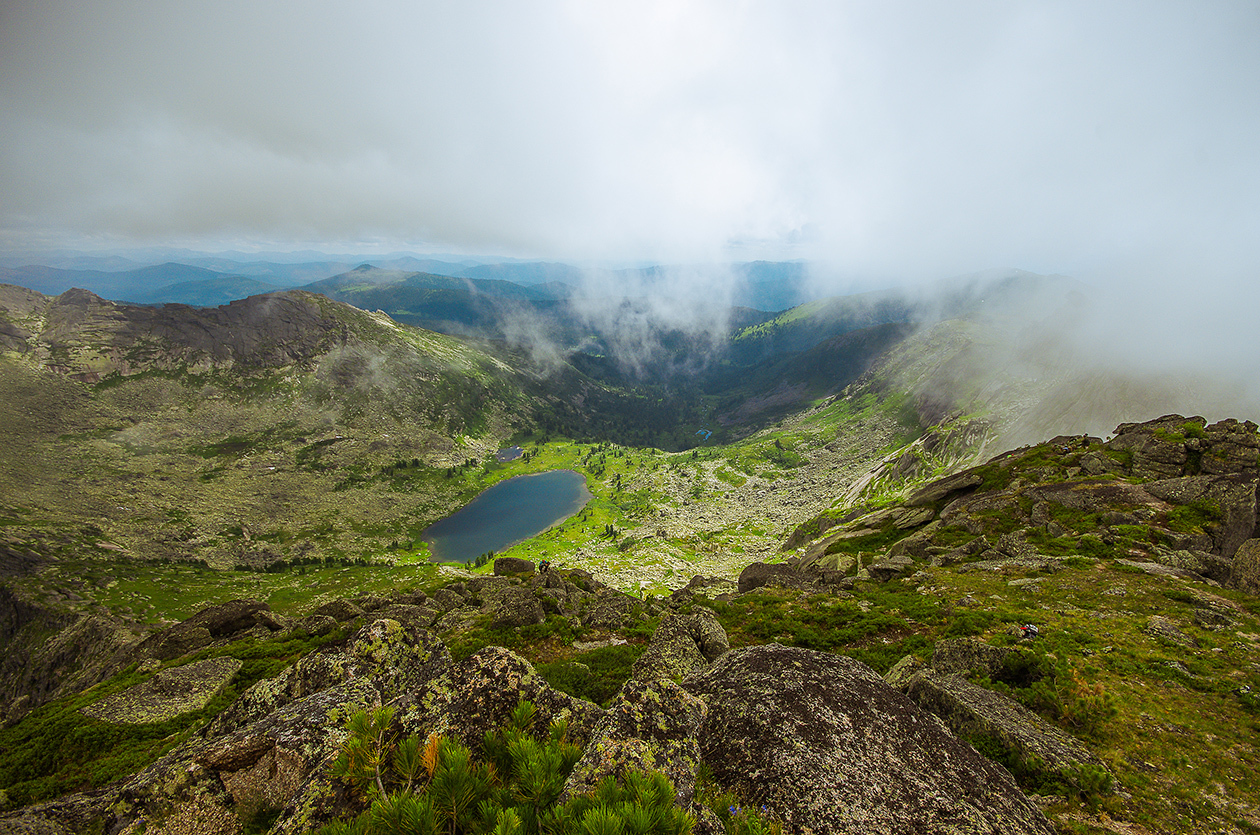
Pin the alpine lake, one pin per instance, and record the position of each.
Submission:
(507, 513)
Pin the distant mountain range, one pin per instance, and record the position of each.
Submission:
(206, 280)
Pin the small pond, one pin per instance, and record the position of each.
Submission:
(509, 454)
(507, 513)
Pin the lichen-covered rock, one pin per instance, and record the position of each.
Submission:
(69, 815)
(174, 642)
(769, 574)
(399, 658)
(651, 726)
(448, 599)
(235, 753)
(556, 602)
(976, 546)
(272, 746)
(46, 653)
(340, 610)
(1163, 629)
(315, 625)
(484, 584)
(304, 735)
(683, 643)
(218, 622)
(885, 570)
(407, 614)
(225, 619)
(512, 565)
(933, 492)
(1232, 498)
(1230, 446)
(1004, 502)
(370, 602)
(270, 782)
(975, 713)
(967, 656)
(199, 815)
(517, 606)
(905, 518)
(1245, 569)
(710, 587)
(479, 694)
(1203, 563)
(612, 611)
(828, 746)
(899, 674)
(1156, 453)
(167, 693)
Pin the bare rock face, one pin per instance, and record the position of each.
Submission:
(1245, 572)
(681, 645)
(826, 744)
(770, 574)
(505, 566)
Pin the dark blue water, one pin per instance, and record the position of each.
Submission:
(505, 514)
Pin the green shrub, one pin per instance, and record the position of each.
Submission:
(515, 789)
(524, 640)
(967, 622)
(596, 675)
(1194, 516)
(823, 622)
(737, 816)
(1056, 690)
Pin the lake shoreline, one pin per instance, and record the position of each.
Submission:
(506, 514)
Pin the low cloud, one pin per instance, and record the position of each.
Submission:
(901, 139)
(888, 144)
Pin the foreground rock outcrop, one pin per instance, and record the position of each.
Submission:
(975, 713)
(827, 745)
(1178, 492)
(818, 738)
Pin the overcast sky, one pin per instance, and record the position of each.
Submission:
(887, 138)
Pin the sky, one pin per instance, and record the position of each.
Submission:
(885, 138)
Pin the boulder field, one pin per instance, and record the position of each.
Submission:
(819, 740)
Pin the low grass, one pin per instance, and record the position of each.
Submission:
(877, 635)
(160, 592)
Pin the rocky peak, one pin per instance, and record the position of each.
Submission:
(81, 335)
